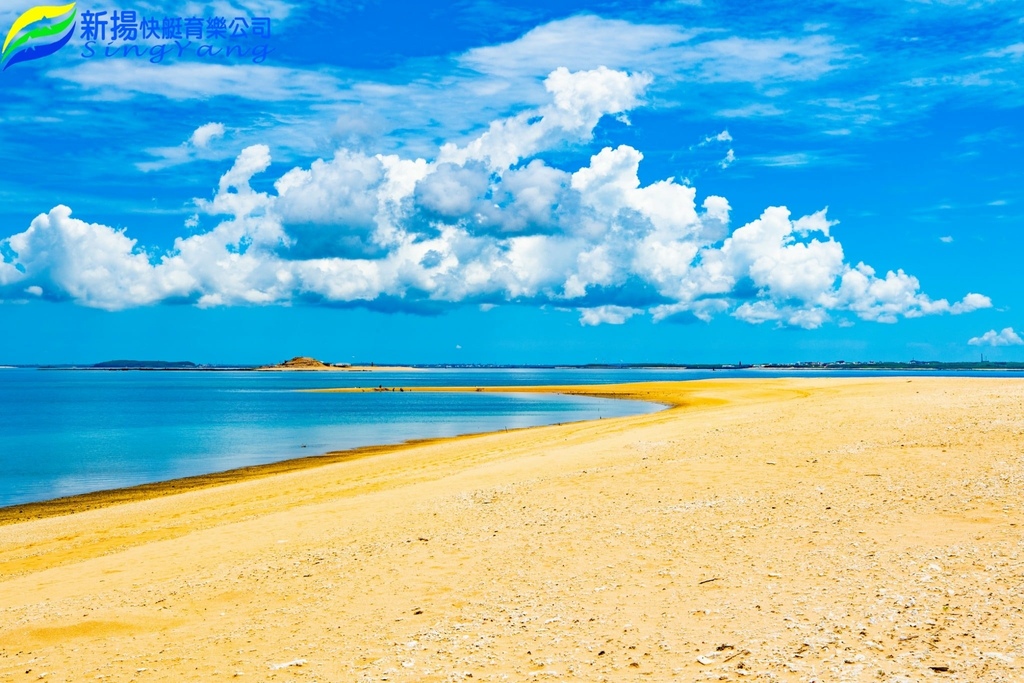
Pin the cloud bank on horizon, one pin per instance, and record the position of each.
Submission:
(487, 222)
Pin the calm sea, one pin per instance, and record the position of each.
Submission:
(65, 432)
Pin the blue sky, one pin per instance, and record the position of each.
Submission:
(524, 183)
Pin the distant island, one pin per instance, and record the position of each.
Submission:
(299, 363)
(814, 365)
(306, 364)
(146, 365)
(310, 364)
(898, 365)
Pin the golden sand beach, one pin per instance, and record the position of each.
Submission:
(760, 530)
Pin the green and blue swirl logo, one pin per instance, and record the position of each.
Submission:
(38, 33)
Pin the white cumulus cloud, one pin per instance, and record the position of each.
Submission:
(488, 221)
(612, 315)
(1006, 337)
(203, 135)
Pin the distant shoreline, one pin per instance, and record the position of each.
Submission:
(811, 367)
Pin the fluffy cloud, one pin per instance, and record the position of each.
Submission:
(91, 264)
(580, 100)
(203, 135)
(1007, 337)
(612, 315)
(342, 193)
(582, 41)
(197, 146)
(485, 222)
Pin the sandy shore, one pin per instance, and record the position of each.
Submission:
(793, 530)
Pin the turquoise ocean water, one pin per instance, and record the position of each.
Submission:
(65, 432)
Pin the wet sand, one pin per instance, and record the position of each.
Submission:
(799, 529)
